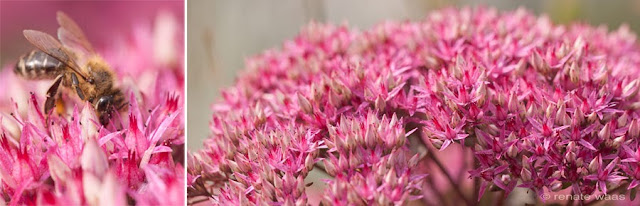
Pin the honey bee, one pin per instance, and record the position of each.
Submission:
(75, 65)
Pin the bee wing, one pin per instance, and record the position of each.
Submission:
(72, 36)
(49, 45)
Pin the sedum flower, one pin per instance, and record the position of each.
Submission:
(539, 106)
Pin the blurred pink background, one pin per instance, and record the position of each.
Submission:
(102, 21)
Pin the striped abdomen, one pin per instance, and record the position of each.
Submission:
(38, 65)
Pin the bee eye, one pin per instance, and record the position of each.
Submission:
(104, 103)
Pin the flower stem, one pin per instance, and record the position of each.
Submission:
(455, 187)
(197, 201)
(435, 191)
(199, 190)
(501, 198)
(476, 181)
(465, 165)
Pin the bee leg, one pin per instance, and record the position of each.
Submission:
(51, 95)
(75, 84)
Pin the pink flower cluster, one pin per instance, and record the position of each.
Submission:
(71, 159)
(541, 106)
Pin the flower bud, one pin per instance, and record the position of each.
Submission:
(521, 67)
(400, 139)
(335, 99)
(93, 159)
(259, 114)
(277, 182)
(570, 157)
(459, 67)
(57, 168)
(437, 143)
(343, 163)
(512, 151)
(593, 117)
(481, 93)
(288, 202)
(371, 137)
(579, 161)
(605, 132)
(354, 161)
(414, 160)
(492, 129)
(562, 51)
(525, 161)
(512, 104)
(623, 119)
(630, 90)
(301, 202)
(571, 146)
(403, 180)
(578, 46)
(539, 64)
(329, 167)
(550, 110)
(525, 175)
(354, 198)
(578, 116)
(511, 137)
(390, 177)
(561, 117)
(618, 141)
(431, 62)
(309, 162)
(574, 73)
(531, 110)
(234, 166)
(304, 103)
(391, 159)
(556, 186)
(602, 75)
(634, 129)
(380, 104)
(594, 164)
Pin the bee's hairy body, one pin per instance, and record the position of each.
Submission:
(37, 65)
(72, 62)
